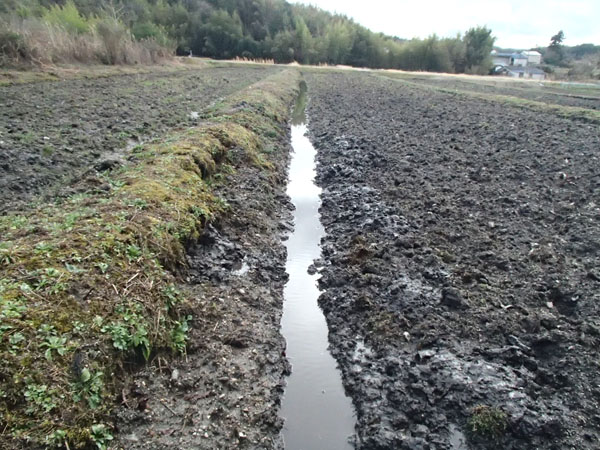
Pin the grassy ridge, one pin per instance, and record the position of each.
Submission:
(87, 283)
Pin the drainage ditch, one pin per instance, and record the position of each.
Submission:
(317, 413)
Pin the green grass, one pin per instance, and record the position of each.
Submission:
(88, 284)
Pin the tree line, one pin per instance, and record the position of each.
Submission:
(266, 29)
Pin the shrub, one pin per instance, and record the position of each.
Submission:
(150, 31)
(68, 17)
(12, 47)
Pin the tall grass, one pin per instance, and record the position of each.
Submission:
(62, 35)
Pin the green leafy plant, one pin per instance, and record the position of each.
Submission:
(12, 309)
(56, 438)
(15, 341)
(129, 333)
(50, 280)
(101, 436)
(102, 266)
(56, 344)
(43, 248)
(39, 396)
(89, 386)
(139, 203)
(179, 335)
(133, 252)
(172, 296)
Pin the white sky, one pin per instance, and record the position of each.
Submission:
(515, 23)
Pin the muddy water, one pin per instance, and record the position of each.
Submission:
(317, 413)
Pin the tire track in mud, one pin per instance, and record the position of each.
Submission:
(461, 266)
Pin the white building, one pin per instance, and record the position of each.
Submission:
(533, 57)
(531, 73)
(509, 59)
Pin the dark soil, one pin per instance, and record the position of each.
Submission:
(461, 266)
(52, 132)
(539, 91)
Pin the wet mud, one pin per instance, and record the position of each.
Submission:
(460, 266)
(51, 133)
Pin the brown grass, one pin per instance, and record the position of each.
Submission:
(109, 42)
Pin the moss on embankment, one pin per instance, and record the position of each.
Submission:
(87, 283)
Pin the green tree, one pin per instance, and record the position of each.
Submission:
(555, 54)
(456, 49)
(478, 46)
(221, 34)
(338, 42)
(557, 40)
(303, 44)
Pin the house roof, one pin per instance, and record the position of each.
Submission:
(531, 53)
(510, 55)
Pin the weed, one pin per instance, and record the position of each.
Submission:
(12, 309)
(102, 266)
(129, 333)
(201, 213)
(70, 220)
(89, 386)
(487, 421)
(39, 396)
(101, 436)
(179, 335)
(26, 138)
(15, 341)
(172, 296)
(43, 248)
(16, 222)
(47, 151)
(50, 280)
(72, 268)
(56, 438)
(7, 255)
(78, 326)
(133, 252)
(56, 344)
(139, 203)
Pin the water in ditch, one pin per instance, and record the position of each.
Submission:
(317, 413)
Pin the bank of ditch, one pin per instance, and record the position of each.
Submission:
(95, 285)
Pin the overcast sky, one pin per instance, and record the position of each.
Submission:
(515, 23)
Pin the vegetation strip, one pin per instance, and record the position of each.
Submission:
(568, 112)
(9, 77)
(87, 284)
